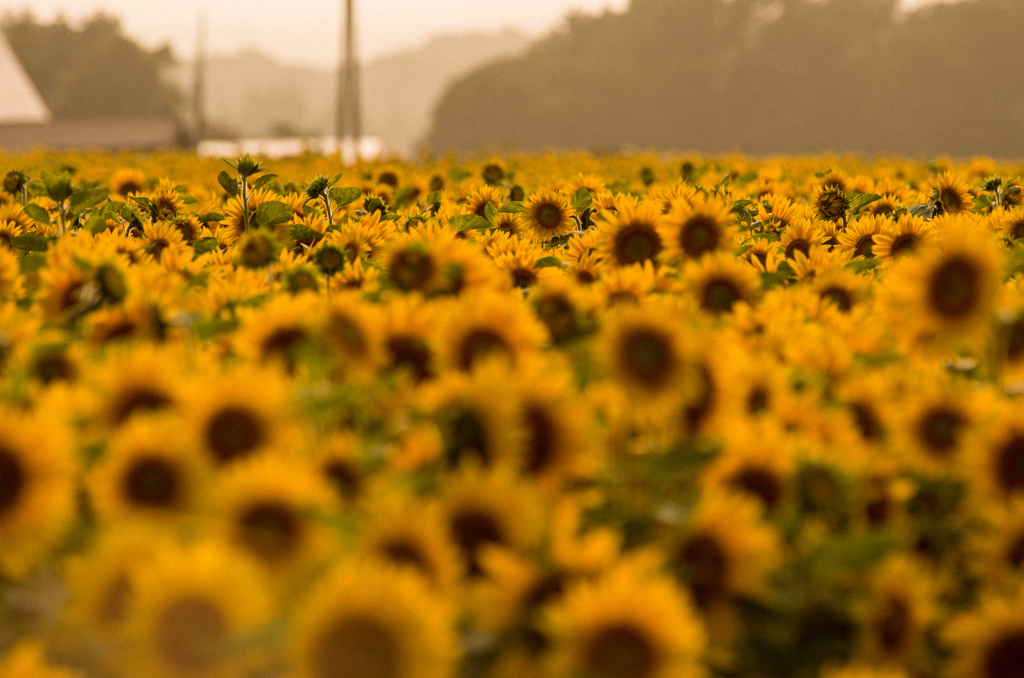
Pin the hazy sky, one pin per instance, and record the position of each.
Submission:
(307, 31)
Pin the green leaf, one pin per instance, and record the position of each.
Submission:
(84, 199)
(205, 245)
(582, 200)
(303, 232)
(925, 209)
(211, 216)
(189, 200)
(215, 326)
(32, 262)
(37, 212)
(228, 183)
(273, 213)
(345, 196)
(433, 198)
(335, 179)
(513, 207)
(58, 188)
(30, 242)
(97, 223)
(853, 552)
(469, 222)
(263, 181)
(862, 200)
(746, 178)
(490, 212)
(549, 262)
(861, 265)
(458, 174)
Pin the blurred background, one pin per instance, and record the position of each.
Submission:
(757, 76)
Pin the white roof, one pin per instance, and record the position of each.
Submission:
(20, 102)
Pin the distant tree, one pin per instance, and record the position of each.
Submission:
(761, 76)
(93, 70)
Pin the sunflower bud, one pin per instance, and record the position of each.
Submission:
(15, 181)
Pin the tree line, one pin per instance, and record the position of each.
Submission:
(758, 76)
(92, 70)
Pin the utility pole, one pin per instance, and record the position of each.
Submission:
(349, 121)
(199, 79)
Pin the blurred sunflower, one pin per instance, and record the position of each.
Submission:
(898, 613)
(626, 625)
(903, 237)
(373, 622)
(952, 195)
(489, 325)
(701, 225)
(720, 281)
(151, 473)
(194, 613)
(988, 642)
(756, 460)
(36, 489)
(635, 233)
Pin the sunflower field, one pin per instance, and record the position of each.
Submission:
(522, 416)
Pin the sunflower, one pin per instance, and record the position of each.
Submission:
(720, 281)
(162, 238)
(757, 460)
(548, 214)
(489, 324)
(166, 201)
(194, 613)
(699, 226)
(553, 417)
(412, 262)
(240, 413)
(996, 466)
(281, 332)
(859, 237)
(409, 337)
(952, 196)
(100, 589)
(274, 508)
(352, 329)
(337, 457)
(803, 235)
(650, 354)
(36, 489)
(127, 181)
(136, 379)
(374, 622)
(477, 415)
(949, 291)
(842, 288)
(150, 472)
(490, 508)
(724, 551)
(898, 613)
(625, 625)
(409, 532)
(565, 308)
(903, 237)
(630, 285)
(988, 642)
(484, 196)
(997, 552)
(635, 233)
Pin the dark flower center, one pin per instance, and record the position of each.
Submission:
(904, 244)
(466, 437)
(153, 482)
(636, 243)
(1005, 658)
(345, 479)
(411, 352)
(646, 356)
(699, 235)
(1010, 464)
(954, 288)
(705, 567)
(142, 399)
(478, 343)
(620, 651)
(12, 480)
(939, 429)
(864, 245)
(719, 295)
(763, 483)
(798, 245)
(472, 528)
(412, 270)
(548, 216)
(357, 647)
(892, 625)
(542, 439)
(270, 530)
(233, 433)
